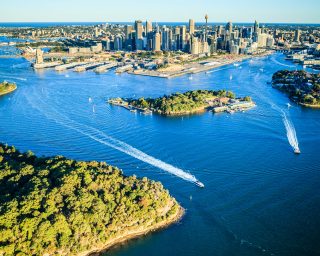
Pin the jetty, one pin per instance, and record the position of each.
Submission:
(44, 65)
(124, 68)
(88, 66)
(69, 66)
(105, 67)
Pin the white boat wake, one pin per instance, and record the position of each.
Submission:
(281, 64)
(291, 133)
(104, 139)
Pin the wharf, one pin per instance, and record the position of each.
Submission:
(88, 66)
(69, 66)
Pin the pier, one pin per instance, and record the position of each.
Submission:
(106, 67)
(88, 66)
(69, 66)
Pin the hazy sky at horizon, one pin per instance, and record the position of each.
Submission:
(292, 11)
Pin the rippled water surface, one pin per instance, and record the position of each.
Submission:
(259, 198)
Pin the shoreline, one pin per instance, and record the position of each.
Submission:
(134, 234)
(196, 67)
(8, 91)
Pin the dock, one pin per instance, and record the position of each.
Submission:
(124, 68)
(106, 67)
(46, 65)
(69, 66)
(88, 66)
(234, 107)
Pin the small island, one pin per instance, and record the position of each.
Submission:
(190, 102)
(302, 87)
(6, 87)
(59, 206)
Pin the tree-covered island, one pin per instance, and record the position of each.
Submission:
(301, 86)
(58, 206)
(187, 103)
(6, 87)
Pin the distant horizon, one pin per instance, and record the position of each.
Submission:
(272, 11)
(143, 20)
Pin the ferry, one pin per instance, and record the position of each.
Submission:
(199, 184)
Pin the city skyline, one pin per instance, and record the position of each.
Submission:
(165, 11)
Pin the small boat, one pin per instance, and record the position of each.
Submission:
(297, 151)
(133, 110)
(199, 184)
(289, 105)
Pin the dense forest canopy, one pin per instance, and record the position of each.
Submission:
(58, 206)
(6, 87)
(301, 86)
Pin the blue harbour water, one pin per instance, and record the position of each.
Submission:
(259, 197)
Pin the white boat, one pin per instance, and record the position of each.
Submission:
(297, 151)
(199, 184)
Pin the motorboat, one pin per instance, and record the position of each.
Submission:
(297, 151)
(199, 184)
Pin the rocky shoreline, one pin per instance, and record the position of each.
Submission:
(134, 234)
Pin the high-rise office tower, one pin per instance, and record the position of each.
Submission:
(297, 35)
(183, 37)
(191, 26)
(156, 42)
(206, 32)
(194, 45)
(177, 31)
(165, 38)
(229, 27)
(148, 27)
(139, 29)
(127, 31)
(256, 27)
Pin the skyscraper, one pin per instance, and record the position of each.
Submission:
(206, 33)
(256, 27)
(191, 26)
(148, 27)
(229, 27)
(139, 29)
(297, 35)
(127, 31)
(182, 37)
(156, 42)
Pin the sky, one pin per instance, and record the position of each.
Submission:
(266, 11)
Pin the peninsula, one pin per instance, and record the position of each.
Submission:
(6, 87)
(187, 103)
(301, 86)
(59, 206)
